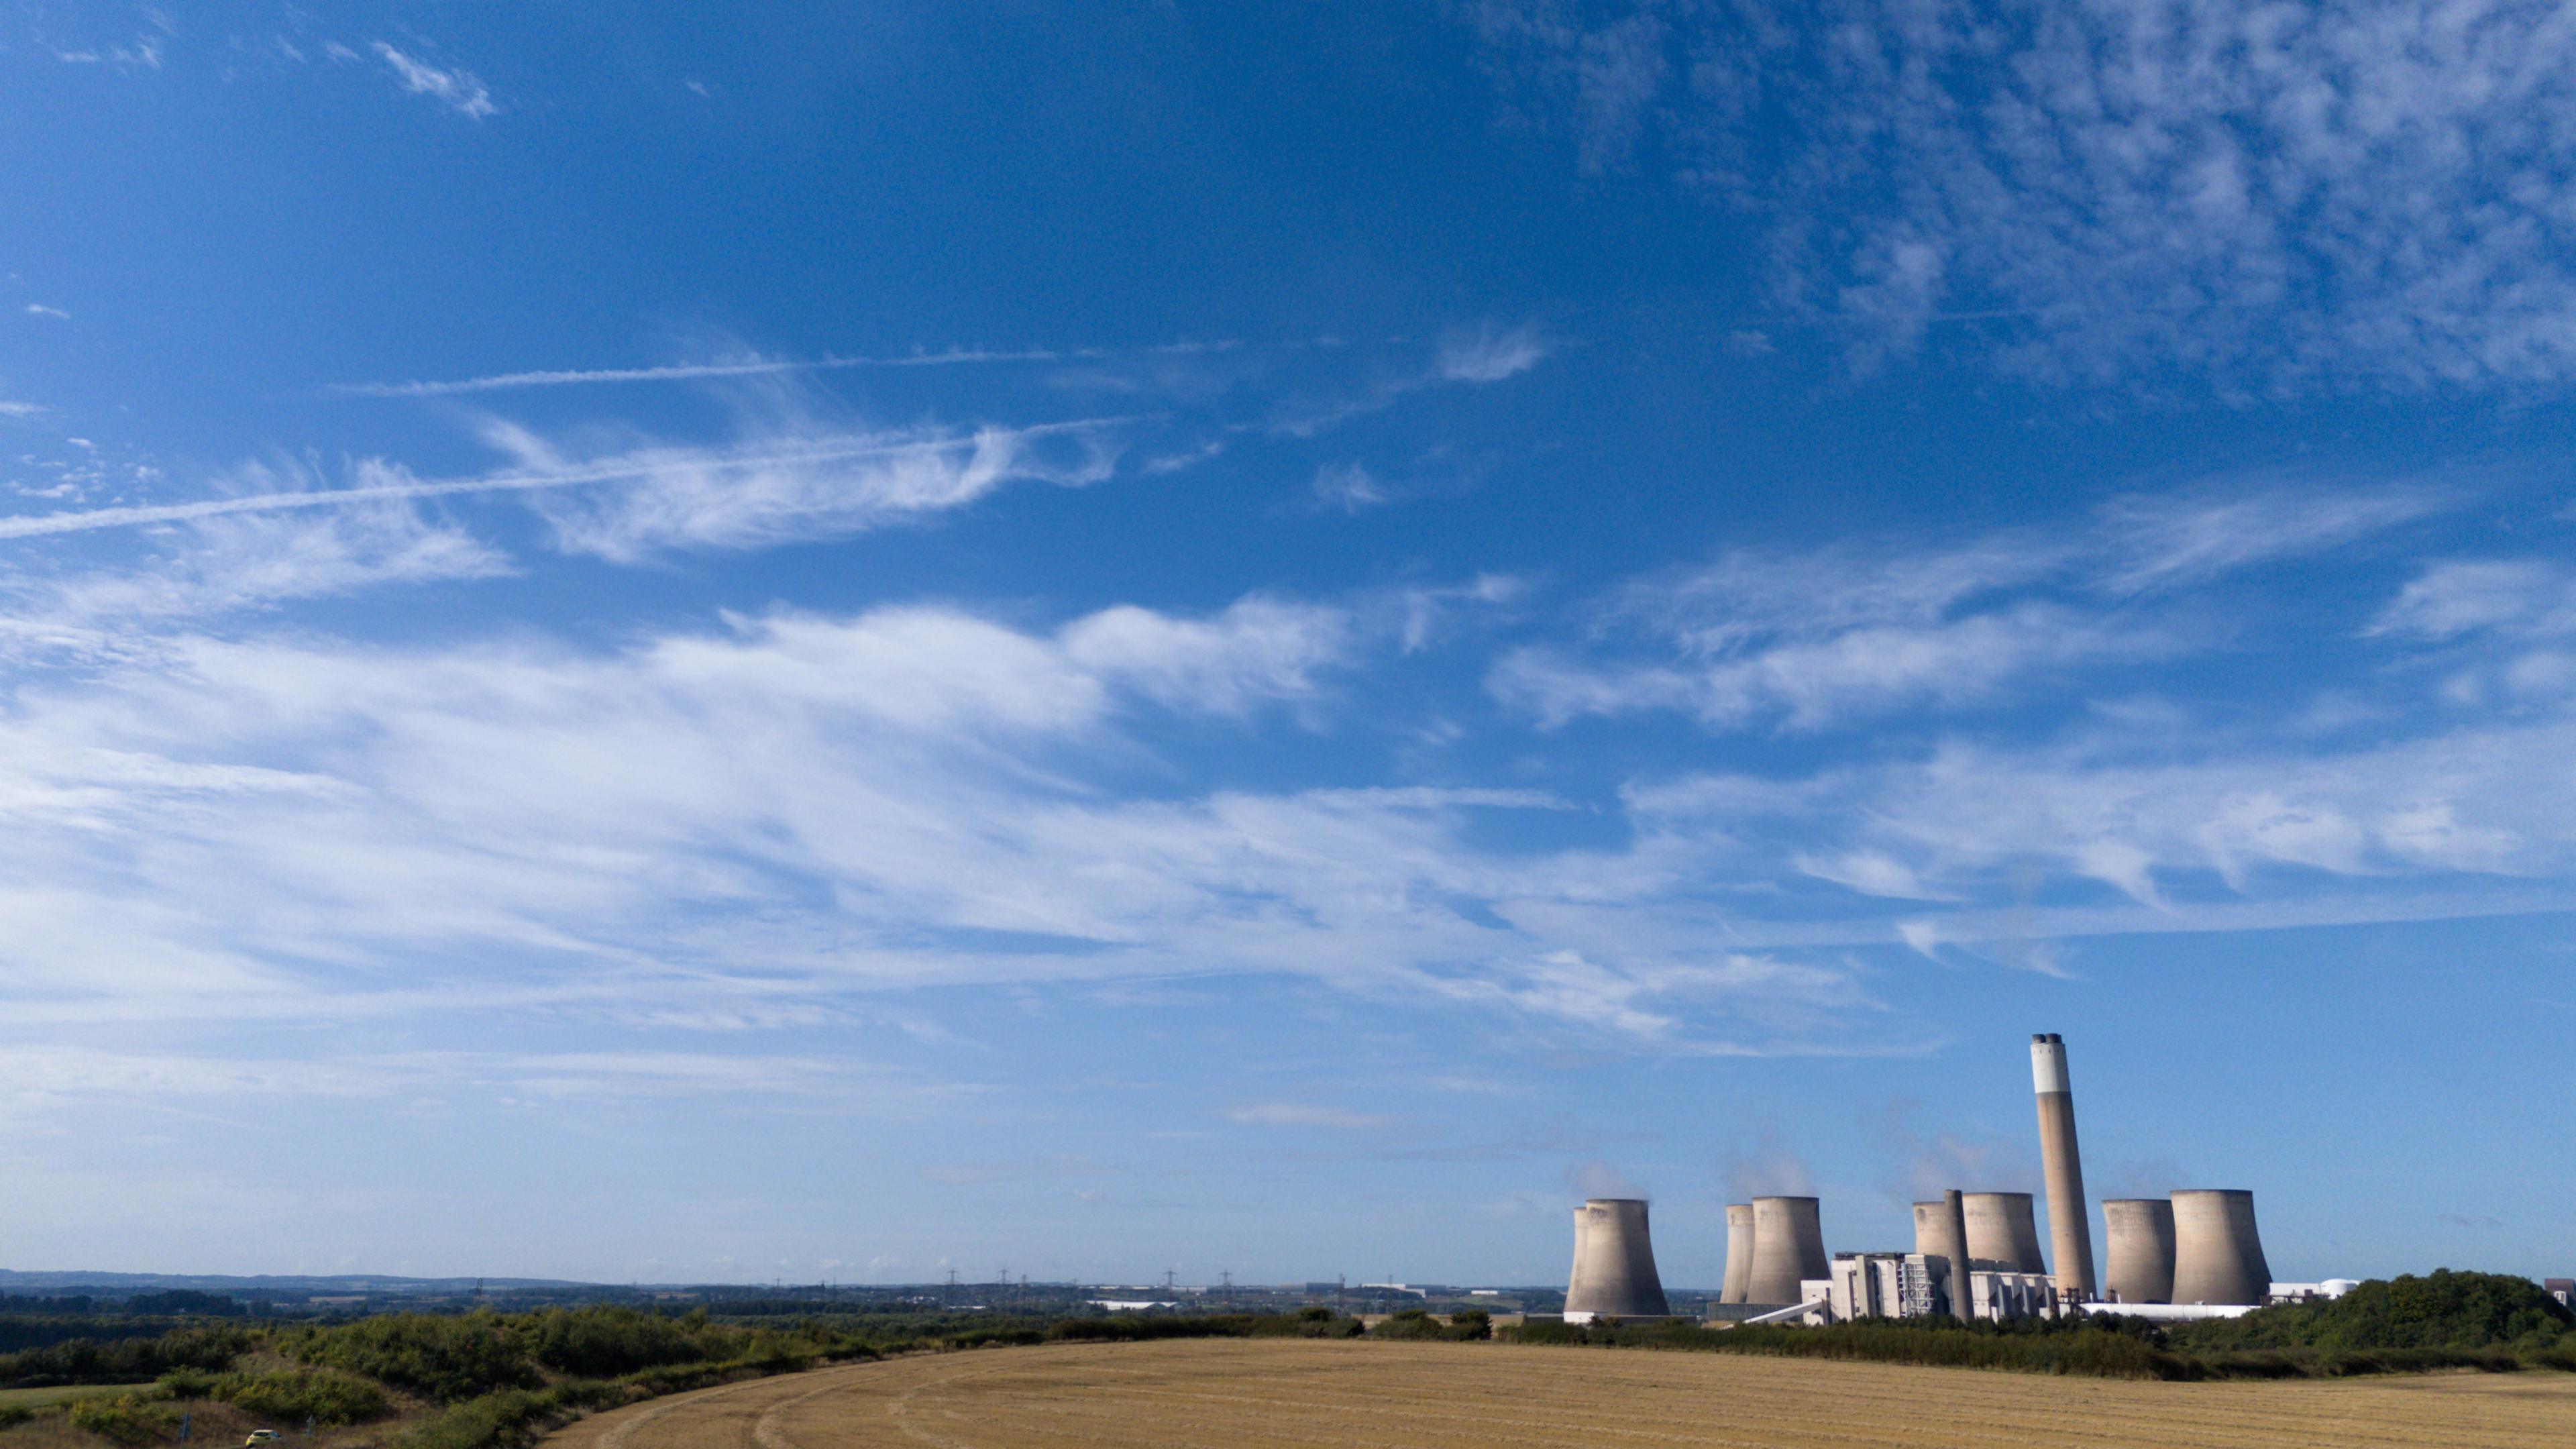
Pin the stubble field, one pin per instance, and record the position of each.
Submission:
(1201, 1394)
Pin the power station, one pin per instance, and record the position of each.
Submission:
(1977, 1254)
(1614, 1264)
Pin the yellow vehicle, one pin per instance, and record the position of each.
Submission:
(259, 1437)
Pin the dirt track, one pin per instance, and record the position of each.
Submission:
(1204, 1394)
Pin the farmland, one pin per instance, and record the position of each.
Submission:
(1321, 1394)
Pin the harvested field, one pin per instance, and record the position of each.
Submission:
(1306, 1394)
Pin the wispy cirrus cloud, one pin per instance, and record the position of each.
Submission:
(654, 495)
(453, 87)
(1810, 639)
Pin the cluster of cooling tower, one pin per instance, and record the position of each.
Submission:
(2196, 1247)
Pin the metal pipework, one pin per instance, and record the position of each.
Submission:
(2070, 1223)
(1614, 1262)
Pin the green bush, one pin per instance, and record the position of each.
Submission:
(2441, 1310)
(12, 1415)
(324, 1395)
(123, 1361)
(1471, 1324)
(449, 1360)
(125, 1418)
(606, 1342)
(1410, 1324)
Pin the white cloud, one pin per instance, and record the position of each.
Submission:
(1806, 640)
(1258, 650)
(2261, 195)
(1348, 487)
(1305, 1114)
(457, 89)
(39, 309)
(2523, 598)
(789, 488)
(787, 482)
(792, 809)
(1490, 354)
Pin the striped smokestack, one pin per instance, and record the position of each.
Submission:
(2070, 1222)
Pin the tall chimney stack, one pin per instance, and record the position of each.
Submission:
(2070, 1225)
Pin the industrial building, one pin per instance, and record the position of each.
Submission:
(1977, 1255)
(1788, 1249)
(1913, 1285)
(1614, 1264)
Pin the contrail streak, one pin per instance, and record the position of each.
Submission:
(757, 367)
(638, 465)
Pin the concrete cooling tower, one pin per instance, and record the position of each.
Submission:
(1788, 1249)
(2003, 1232)
(1941, 1231)
(1739, 1253)
(2141, 1232)
(1614, 1263)
(2070, 1223)
(2218, 1258)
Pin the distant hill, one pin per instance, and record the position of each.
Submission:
(12, 1281)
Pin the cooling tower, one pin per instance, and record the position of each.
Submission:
(1788, 1249)
(2141, 1232)
(2002, 1232)
(1941, 1232)
(2070, 1222)
(1614, 1264)
(2218, 1258)
(1739, 1252)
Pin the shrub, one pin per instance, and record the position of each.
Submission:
(125, 1418)
(2441, 1310)
(606, 1342)
(449, 1360)
(1471, 1324)
(122, 1361)
(324, 1395)
(1412, 1323)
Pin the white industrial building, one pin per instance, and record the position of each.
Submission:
(1914, 1285)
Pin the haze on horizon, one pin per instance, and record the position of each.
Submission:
(782, 642)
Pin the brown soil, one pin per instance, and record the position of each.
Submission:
(1305, 1394)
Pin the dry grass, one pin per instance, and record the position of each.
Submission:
(1303, 1394)
(36, 1398)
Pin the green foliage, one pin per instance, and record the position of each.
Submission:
(124, 1361)
(324, 1395)
(12, 1415)
(189, 1384)
(448, 1360)
(125, 1418)
(1471, 1324)
(605, 1342)
(2442, 1310)
(1411, 1324)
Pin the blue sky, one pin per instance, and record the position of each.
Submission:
(836, 642)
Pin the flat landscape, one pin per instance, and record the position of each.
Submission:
(1318, 1395)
